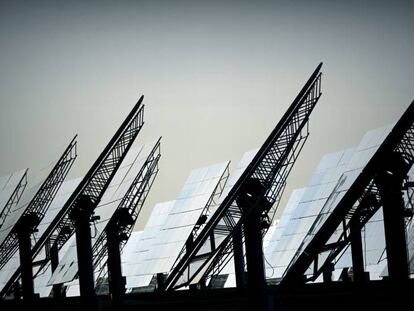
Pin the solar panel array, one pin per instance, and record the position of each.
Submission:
(171, 235)
(61, 197)
(141, 246)
(357, 161)
(308, 207)
(156, 248)
(68, 267)
(152, 250)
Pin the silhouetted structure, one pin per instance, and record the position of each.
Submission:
(26, 221)
(247, 205)
(232, 228)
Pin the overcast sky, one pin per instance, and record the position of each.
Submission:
(216, 76)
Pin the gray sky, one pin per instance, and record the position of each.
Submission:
(216, 76)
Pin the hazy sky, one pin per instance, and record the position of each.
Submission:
(216, 76)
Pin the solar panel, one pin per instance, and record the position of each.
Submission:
(373, 248)
(234, 176)
(61, 197)
(16, 212)
(128, 258)
(373, 245)
(228, 274)
(139, 248)
(129, 251)
(272, 270)
(192, 200)
(360, 157)
(36, 201)
(303, 208)
(68, 268)
(11, 189)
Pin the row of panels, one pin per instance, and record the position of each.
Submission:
(155, 249)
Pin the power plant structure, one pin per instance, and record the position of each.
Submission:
(344, 241)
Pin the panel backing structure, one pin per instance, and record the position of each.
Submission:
(34, 204)
(267, 174)
(127, 173)
(11, 190)
(303, 208)
(90, 189)
(43, 276)
(359, 158)
(306, 205)
(357, 197)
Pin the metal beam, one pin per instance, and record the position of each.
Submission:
(270, 167)
(399, 141)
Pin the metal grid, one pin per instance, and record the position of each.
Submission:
(132, 202)
(41, 201)
(270, 167)
(93, 185)
(360, 202)
(14, 198)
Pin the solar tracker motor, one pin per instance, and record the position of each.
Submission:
(253, 198)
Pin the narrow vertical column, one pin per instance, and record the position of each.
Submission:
(253, 199)
(26, 266)
(17, 291)
(357, 252)
(115, 279)
(24, 228)
(394, 227)
(81, 216)
(255, 264)
(327, 273)
(390, 183)
(54, 262)
(239, 259)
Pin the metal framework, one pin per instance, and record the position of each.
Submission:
(14, 198)
(266, 175)
(92, 187)
(128, 210)
(212, 201)
(357, 206)
(40, 203)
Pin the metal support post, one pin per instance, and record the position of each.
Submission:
(255, 265)
(115, 279)
(327, 273)
(357, 252)
(24, 228)
(54, 262)
(239, 259)
(26, 266)
(81, 216)
(390, 184)
(17, 291)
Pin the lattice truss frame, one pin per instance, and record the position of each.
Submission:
(212, 202)
(358, 205)
(133, 202)
(270, 167)
(93, 185)
(14, 198)
(42, 199)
